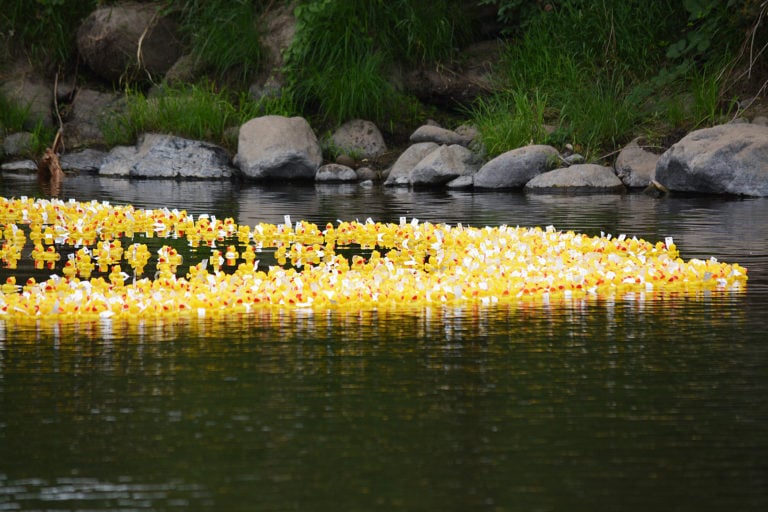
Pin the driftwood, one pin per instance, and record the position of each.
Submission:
(49, 172)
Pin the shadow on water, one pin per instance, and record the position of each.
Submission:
(637, 403)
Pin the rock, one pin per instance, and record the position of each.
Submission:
(760, 120)
(456, 83)
(33, 95)
(723, 159)
(335, 173)
(185, 70)
(515, 168)
(344, 159)
(576, 179)
(87, 160)
(89, 110)
(462, 182)
(167, 156)
(400, 173)
(573, 159)
(443, 165)
(129, 37)
(431, 133)
(277, 147)
(635, 166)
(360, 138)
(18, 143)
(20, 166)
(366, 174)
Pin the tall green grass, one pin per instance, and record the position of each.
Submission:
(597, 64)
(198, 111)
(43, 29)
(343, 52)
(223, 34)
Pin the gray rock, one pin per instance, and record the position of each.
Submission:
(132, 37)
(573, 159)
(462, 182)
(515, 168)
(760, 120)
(90, 108)
(335, 173)
(400, 173)
(635, 166)
(724, 159)
(278, 147)
(366, 174)
(576, 179)
(431, 133)
(17, 144)
(167, 156)
(87, 160)
(443, 165)
(360, 138)
(20, 166)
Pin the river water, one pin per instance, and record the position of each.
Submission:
(629, 404)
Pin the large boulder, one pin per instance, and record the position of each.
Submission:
(89, 110)
(515, 168)
(360, 138)
(724, 159)
(442, 165)
(167, 156)
(400, 173)
(635, 166)
(576, 179)
(278, 147)
(129, 37)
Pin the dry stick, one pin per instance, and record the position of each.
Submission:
(49, 166)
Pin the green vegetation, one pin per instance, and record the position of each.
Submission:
(47, 28)
(592, 73)
(14, 118)
(342, 52)
(197, 111)
(598, 69)
(223, 35)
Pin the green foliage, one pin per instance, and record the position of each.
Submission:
(343, 51)
(224, 35)
(45, 29)
(195, 111)
(510, 120)
(12, 116)
(600, 66)
(515, 14)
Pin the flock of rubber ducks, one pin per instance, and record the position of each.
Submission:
(98, 264)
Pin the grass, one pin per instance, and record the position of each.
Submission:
(598, 65)
(342, 53)
(15, 118)
(42, 29)
(198, 111)
(223, 34)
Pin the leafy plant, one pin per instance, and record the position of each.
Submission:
(199, 111)
(342, 51)
(43, 28)
(224, 35)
